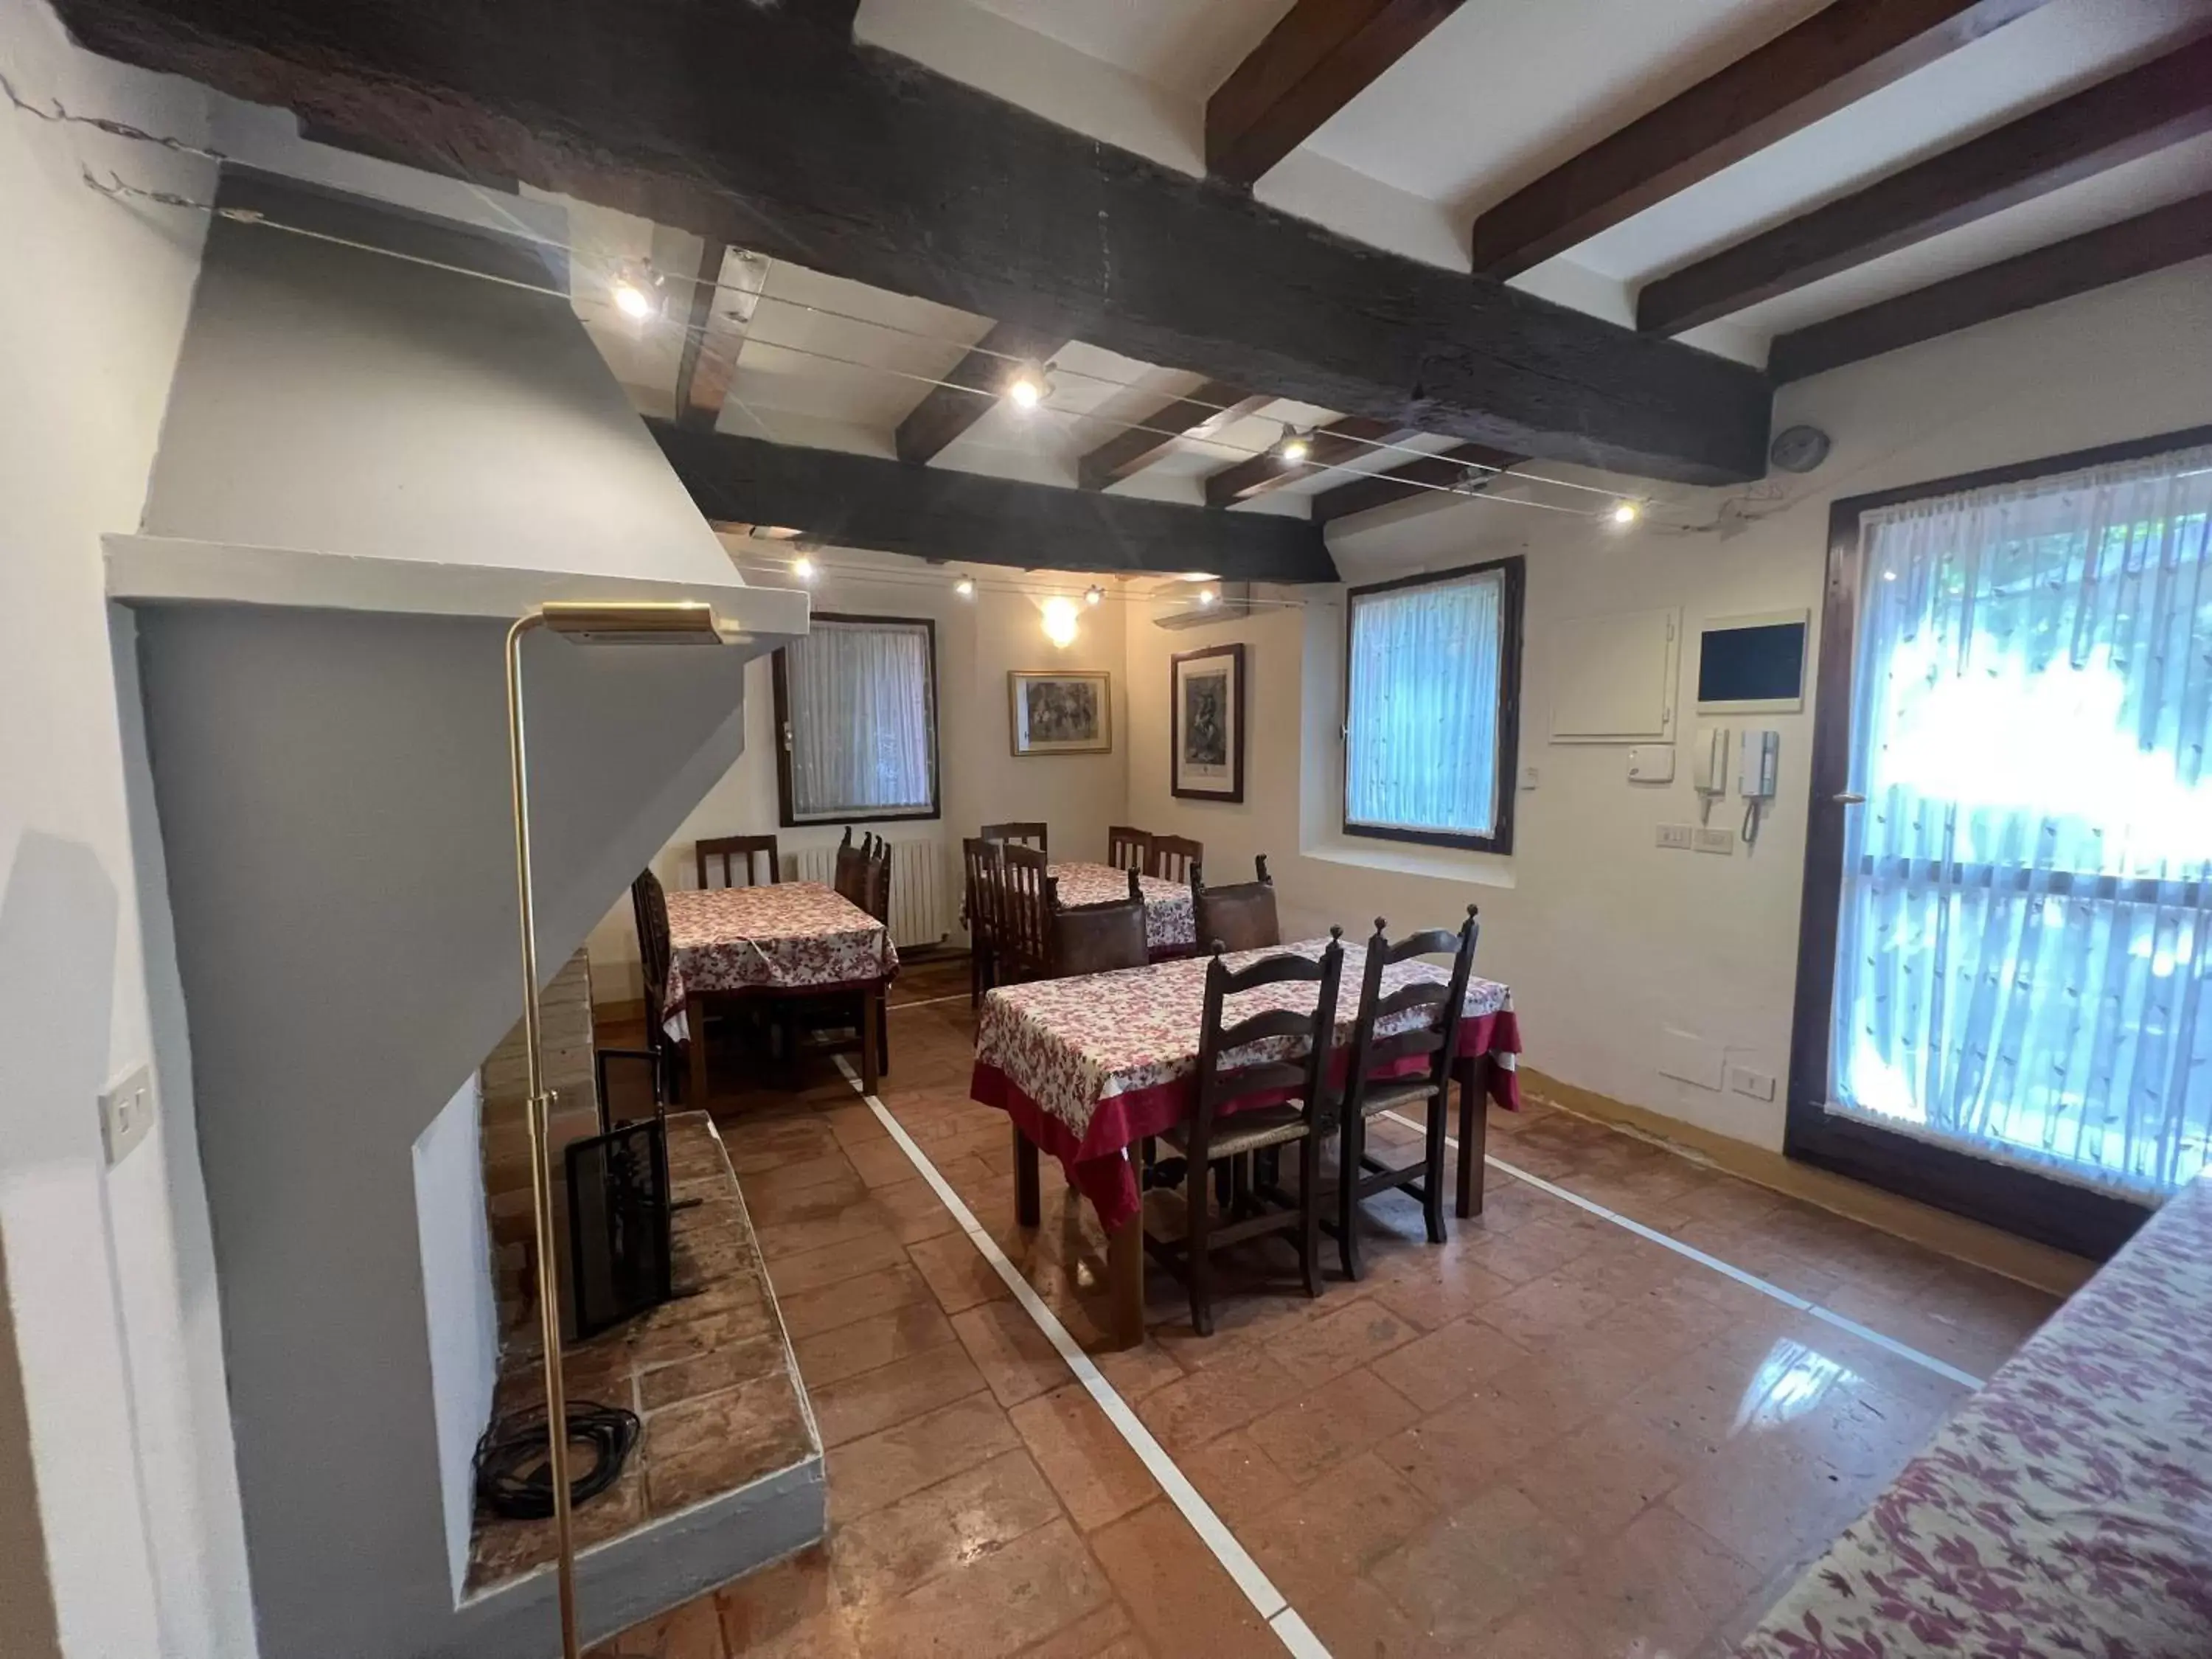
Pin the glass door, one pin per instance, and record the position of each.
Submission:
(2010, 878)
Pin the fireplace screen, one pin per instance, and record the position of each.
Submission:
(618, 1232)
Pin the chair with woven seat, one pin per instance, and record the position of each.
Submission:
(1172, 857)
(1241, 917)
(1230, 1125)
(1406, 1069)
(1127, 848)
(1095, 938)
(719, 860)
(1028, 834)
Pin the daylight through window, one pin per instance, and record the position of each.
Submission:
(856, 703)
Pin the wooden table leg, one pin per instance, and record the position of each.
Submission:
(1029, 1208)
(694, 1016)
(872, 1026)
(1125, 1276)
(1473, 1131)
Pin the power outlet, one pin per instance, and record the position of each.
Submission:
(1715, 840)
(1742, 1080)
(126, 1113)
(1676, 836)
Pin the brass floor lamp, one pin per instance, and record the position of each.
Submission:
(684, 622)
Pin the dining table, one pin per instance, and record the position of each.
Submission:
(1087, 1068)
(784, 941)
(1170, 926)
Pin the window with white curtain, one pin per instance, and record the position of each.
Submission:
(2023, 971)
(1432, 695)
(856, 709)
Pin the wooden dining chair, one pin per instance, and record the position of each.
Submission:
(1023, 945)
(718, 861)
(1095, 938)
(835, 1023)
(1127, 848)
(849, 871)
(1409, 1069)
(1219, 1131)
(1241, 917)
(1172, 856)
(1032, 833)
(649, 908)
(979, 862)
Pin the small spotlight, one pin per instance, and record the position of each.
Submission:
(636, 292)
(1295, 446)
(803, 568)
(1030, 387)
(1206, 596)
(1627, 513)
(1092, 594)
(965, 588)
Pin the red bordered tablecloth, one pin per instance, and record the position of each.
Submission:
(1089, 1067)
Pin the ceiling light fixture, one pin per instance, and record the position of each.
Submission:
(636, 291)
(1206, 596)
(803, 568)
(1060, 621)
(1294, 445)
(1625, 513)
(1093, 594)
(965, 588)
(1030, 386)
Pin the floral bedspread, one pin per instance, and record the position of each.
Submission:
(1070, 1044)
(1169, 923)
(2064, 1509)
(790, 936)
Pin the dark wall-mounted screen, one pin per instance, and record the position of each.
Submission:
(1764, 662)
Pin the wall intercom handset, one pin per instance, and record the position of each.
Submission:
(1762, 758)
(1710, 779)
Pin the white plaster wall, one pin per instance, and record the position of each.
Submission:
(110, 1276)
(978, 640)
(459, 1310)
(1605, 939)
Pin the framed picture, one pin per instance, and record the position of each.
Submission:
(1059, 714)
(1206, 694)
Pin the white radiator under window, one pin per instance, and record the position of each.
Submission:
(925, 899)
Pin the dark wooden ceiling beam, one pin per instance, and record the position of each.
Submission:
(849, 161)
(2134, 247)
(1343, 440)
(1834, 58)
(1318, 58)
(1470, 467)
(2145, 109)
(1129, 452)
(971, 389)
(723, 300)
(941, 513)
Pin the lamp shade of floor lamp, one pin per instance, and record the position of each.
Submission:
(672, 623)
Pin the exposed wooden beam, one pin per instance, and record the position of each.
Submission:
(1209, 409)
(1473, 466)
(2150, 242)
(1834, 58)
(2162, 102)
(852, 161)
(1341, 440)
(723, 300)
(1318, 58)
(972, 388)
(941, 513)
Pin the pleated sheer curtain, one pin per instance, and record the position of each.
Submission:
(1422, 715)
(2026, 913)
(863, 721)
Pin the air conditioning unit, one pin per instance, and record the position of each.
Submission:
(1231, 601)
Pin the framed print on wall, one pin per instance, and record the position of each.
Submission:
(1059, 714)
(1207, 701)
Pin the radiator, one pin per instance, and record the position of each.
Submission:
(925, 899)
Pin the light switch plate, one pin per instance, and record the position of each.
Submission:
(1717, 841)
(1742, 1080)
(126, 1113)
(1676, 836)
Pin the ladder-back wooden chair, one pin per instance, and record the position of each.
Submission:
(1029, 833)
(1407, 1071)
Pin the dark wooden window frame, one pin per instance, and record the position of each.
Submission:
(784, 802)
(1515, 586)
(2047, 1209)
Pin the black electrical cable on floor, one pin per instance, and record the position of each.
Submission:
(513, 1469)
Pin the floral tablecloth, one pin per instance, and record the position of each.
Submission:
(2064, 1509)
(1168, 917)
(1089, 1067)
(789, 936)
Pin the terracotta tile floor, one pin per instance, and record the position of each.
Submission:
(708, 1375)
(1547, 1436)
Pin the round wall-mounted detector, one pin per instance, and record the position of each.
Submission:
(1799, 449)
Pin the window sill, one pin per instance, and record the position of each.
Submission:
(1411, 858)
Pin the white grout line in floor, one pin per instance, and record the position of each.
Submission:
(1788, 1299)
(1259, 1589)
(927, 1002)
